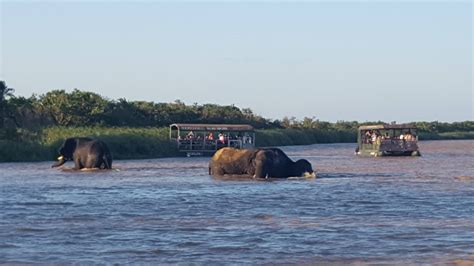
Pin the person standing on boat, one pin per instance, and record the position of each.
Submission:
(221, 138)
(210, 136)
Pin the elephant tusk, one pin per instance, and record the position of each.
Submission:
(60, 158)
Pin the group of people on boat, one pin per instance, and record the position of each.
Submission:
(221, 137)
(408, 136)
(375, 137)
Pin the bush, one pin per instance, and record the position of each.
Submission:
(142, 143)
(282, 137)
(16, 151)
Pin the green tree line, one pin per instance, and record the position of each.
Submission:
(84, 109)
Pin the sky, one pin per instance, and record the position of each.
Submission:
(365, 61)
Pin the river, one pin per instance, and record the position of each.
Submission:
(398, 210)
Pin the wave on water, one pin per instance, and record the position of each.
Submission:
(44, 203)
(31, 230)
(464, 178)
(358, 175)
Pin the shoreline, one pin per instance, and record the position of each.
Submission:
(37, 157)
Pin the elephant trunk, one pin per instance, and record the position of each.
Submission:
(61, 161)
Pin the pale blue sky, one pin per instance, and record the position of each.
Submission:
(364, 61)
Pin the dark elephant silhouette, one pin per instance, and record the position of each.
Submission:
(86, 153)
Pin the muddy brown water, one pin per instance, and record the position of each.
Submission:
(415, 210)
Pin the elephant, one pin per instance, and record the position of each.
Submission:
(258, 163)
(86, 153)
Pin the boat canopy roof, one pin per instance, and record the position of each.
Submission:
(212, 127)
(388, 126)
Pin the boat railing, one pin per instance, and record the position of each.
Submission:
(391, 144)
(235, 143)
(207, 145)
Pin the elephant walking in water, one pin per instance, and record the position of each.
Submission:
(258, 163)
(86, 153)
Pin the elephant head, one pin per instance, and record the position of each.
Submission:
(66, 151)
(303, 168)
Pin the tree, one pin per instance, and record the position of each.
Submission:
(78, 108)
(308, 122)
(5, 93)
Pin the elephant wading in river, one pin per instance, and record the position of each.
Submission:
(86, 153)
(258, 163)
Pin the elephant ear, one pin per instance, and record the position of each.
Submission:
(68, 147)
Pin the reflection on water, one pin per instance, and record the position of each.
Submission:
(371, 210)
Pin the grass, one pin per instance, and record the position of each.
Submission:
(142, 143)
(282, 137)
(446, 135)
(124, 143)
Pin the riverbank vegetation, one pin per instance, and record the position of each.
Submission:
(32, 129)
